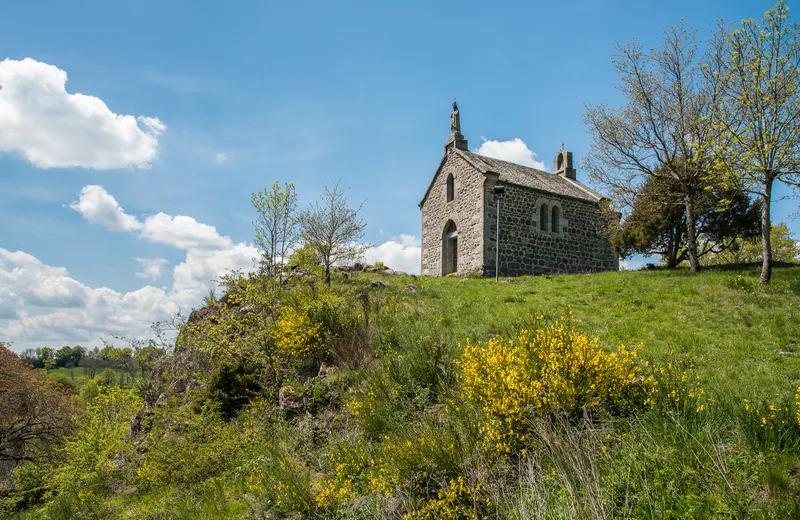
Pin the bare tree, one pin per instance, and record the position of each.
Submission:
(276, 224)
(662, 131)
(756, 72)
(333, 229)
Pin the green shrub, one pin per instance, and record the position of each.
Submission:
(96, 455)
(107, 377)
(188, 448)
(89, 390)
(63, 380)
(232, 385)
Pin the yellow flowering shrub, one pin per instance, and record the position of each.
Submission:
(771, 427)
(797, 399)
(349, 475)
(555, 367)
(295, 334)
(456, 500)
(674, 385)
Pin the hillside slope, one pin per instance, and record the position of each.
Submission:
(393, 396)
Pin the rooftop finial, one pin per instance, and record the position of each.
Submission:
(562, 145)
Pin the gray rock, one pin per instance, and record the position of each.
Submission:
(377, 284)
(290, 399)
(412, 288)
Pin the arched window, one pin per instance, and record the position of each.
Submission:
(560, 161)
(543, 214)
(555, 221)
(449, 248)
(451, 188)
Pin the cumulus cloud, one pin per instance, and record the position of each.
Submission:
(151, 267)
(515, 151)
(52, 128)
(221, 157)
(402, 253)
(208, 254)
(98, 207)
(27, 281)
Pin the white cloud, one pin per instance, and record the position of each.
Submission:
(182, 232)
(151, 267)
(30, 282)
(42, 304)
(52, 128)
(208, 254)
(98, 207)
(221, 157)
(515, 151)
(403, 253)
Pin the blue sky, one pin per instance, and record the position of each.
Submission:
(235, 96)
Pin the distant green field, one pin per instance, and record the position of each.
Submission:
(744, 340)
(120, 377)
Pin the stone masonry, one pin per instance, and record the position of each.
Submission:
(459, 235)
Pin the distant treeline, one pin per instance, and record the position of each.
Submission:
(127, 359)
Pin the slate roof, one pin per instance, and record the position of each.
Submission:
(530, 177)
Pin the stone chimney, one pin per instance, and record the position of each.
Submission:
(562, 164)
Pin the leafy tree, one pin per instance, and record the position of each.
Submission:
(333, 229)
(657, 223)
(35, 412)
(756, 73)
(784, 248)
(146, 356)
(304, 257)
(662, 131)
(275, 225)
(69, 357)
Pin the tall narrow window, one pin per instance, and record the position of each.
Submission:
(555, 221)
(560, 161)
(543, 214)
(451, 188)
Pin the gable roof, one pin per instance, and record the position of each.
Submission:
(512, 173)
(530, 177)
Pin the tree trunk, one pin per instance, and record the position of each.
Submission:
(691, 238)
(672, 251)
(327, 273)
(766, 227)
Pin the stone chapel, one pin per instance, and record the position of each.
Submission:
(549, 222)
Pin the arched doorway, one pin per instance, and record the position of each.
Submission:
(449, 248)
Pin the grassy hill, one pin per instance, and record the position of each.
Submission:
(743, 339)
(405, 397)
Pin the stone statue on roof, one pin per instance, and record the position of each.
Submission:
(455, 120)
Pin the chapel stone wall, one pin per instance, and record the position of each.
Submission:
(579, 245)
(466, 210)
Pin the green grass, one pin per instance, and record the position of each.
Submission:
(743, 339)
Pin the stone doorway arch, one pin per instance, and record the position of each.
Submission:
(449, 248)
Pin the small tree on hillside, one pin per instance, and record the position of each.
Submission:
(333, 229)
(276, 224)
(785, 248)
(756, 71)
